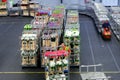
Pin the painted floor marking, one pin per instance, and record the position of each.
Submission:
(107, 72)
(114, 58)
(91, 49)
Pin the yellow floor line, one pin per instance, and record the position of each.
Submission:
(107, 72)
(22, 72)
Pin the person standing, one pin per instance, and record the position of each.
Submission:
(106, 24)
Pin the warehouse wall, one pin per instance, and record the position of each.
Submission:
(57, 2)
(49, 2)
(81, 2)
(108, 2)
(118, 2)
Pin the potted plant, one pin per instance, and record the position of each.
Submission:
(77, 61)
(76, 49)
(65, 65)
(59, 65)
(52, 65)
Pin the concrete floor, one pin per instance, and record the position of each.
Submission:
(94, 50)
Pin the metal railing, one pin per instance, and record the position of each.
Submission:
(101, 75)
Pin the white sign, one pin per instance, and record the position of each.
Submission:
(110, 2)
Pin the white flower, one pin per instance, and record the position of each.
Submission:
(52, 64)
(75, 33)
(59, 63)
(65, 61)
(68, 33)
(63, 77)
(47, 78)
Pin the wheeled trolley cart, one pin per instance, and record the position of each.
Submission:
(3, 9)
(56, 65)
(24, 6)
(33, 6)
(72, 36)
(87, 74)
(30, 46)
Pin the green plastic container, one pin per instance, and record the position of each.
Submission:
(28, 27)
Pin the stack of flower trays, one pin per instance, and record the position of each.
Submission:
(72, 36)
(33, 6)
(56, 65)
(50, 41)
(51, 35)
(3, 9)
(24, 6)
(29, 46)
(41, 19)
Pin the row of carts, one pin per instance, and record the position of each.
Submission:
(102, 14)
(100, 17)
(54, 59)
(22, 8)
(102, 20)
(50, 43)
(31, 39)
(115, 20)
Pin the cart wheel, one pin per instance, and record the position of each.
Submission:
(23, 67)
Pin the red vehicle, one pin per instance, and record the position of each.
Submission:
(106, 33)
(4, 0)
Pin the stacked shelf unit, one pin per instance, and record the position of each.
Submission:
(57, 65)
(41, 19)
(52, 33)
(50, 41)
(14, 11)
(24, 6)
(72, 36)
(55, 61)
(33, 7)
(29, 46)
(3, 9)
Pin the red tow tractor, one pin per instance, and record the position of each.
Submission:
(106, 32)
